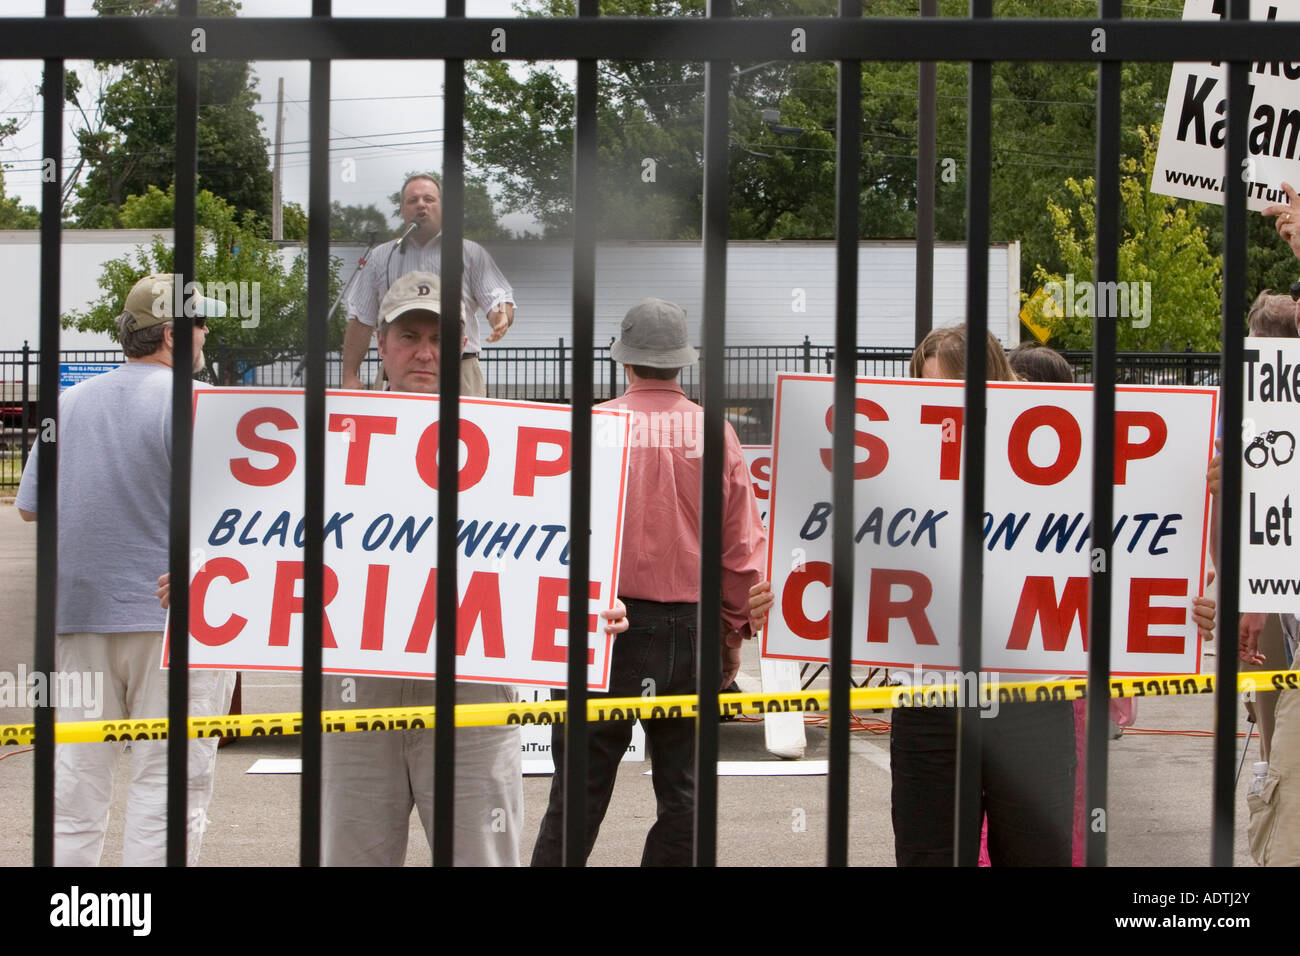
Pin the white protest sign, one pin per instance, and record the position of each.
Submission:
(1270, 477)
(381, 535)
(758, 459)
(1190, 157)
(908, 512)
(535, 743)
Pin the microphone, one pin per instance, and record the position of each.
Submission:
(410, 228)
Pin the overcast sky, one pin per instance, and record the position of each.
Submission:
(386, 116)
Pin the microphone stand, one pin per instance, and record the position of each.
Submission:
(373, 238)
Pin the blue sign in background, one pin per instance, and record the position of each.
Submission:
(70, 373)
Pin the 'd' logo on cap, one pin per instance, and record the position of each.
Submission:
(423, 290)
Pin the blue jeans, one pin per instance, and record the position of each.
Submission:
(659, 646)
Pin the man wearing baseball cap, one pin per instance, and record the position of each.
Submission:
(659, 581)
(371, 781)
(115, 462)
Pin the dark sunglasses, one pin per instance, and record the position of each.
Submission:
(200, 322)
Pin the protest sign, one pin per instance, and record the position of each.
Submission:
(381, 510)
(909, 441)
(758, 460)
(1270, 536)
(1190, 157)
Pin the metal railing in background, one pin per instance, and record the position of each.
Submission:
(716, 39)
(545, 374)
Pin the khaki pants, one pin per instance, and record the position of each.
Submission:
(1274, 830)
(371, 780)
(471, 377)
(133, 686)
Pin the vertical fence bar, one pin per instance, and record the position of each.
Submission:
(1105, 269)
(313, 552)
(584, 330)
(979, 131)
(25, 416)
(848, 140)
(47, 478)
(717, 87)
(453, 231)
(926, 132)
(613, 370)
(178, 676)
(1234, 301)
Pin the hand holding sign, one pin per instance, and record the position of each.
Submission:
(1288, 217)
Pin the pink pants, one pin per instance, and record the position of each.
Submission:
(1123, 711)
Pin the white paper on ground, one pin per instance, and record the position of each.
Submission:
(770, 768)
(276, 765)
(783, 732)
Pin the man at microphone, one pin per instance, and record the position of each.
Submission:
(419, 248)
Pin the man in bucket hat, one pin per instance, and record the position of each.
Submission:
(659, 581)
(114, 477)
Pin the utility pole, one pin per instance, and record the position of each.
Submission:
(277, 213)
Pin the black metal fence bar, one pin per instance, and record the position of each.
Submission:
(47, 529)
(717, 89)
(178, 676)
(1234, 298)
(848, 131)
(313, 552)
(585, 216)
(629, 38)
(1103, 450)
(979, 133)
(453, 233)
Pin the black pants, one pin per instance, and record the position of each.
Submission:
(656, 656)
(1027, 787)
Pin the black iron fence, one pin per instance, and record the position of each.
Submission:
(718, 40)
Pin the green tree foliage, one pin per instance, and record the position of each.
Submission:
(294, 219)
(136, 145)
(356, 222)
(228, 248)
(14, 215)
(782, 134)
(1162, 244)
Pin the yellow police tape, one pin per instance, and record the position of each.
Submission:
(625, 708)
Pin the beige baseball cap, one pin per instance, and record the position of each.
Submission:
(413, 292)
(151, 302)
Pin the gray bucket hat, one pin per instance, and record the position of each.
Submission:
(654, 334)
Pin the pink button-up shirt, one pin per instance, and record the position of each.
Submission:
(661, 524)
